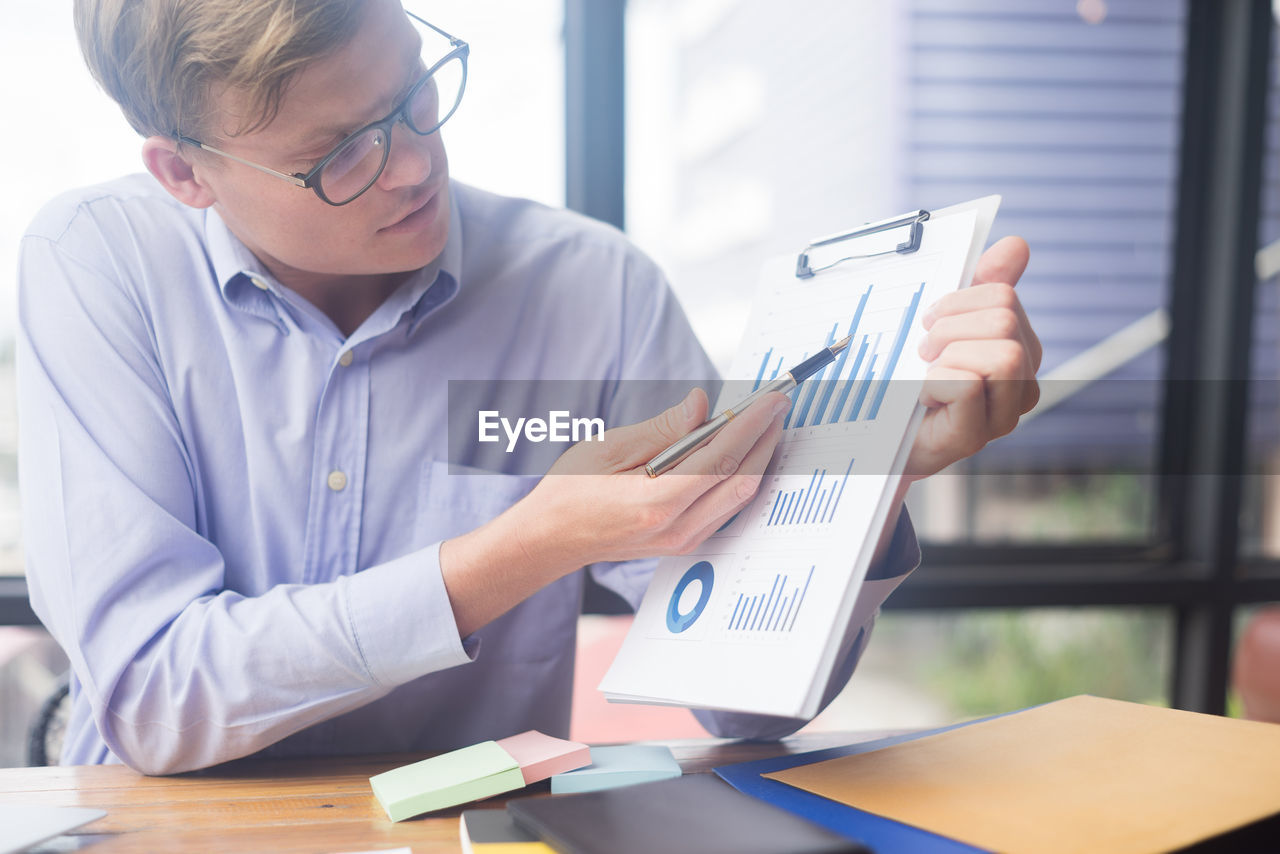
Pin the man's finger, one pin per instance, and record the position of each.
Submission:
(988, 311)
(1007, 379)
(1005, 261)
(724, 454)
(976, 298)
(635, 444)
(987, 324)
(999, 359)
(714, 507)
(956, 423)
(945, 385)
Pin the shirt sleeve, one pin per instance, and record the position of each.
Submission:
(179, 672)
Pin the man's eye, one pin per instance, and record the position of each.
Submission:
(310, 160)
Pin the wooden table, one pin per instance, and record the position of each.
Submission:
(298, 805)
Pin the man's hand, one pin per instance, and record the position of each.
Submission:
(597, 503)
(622, 513)
(984, 358)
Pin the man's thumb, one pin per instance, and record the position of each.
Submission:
(644, 440)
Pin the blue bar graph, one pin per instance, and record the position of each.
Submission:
(898, 341)
(838, 366)
(812, 387)
(813, 505)
(764, 363)
(776, 611)
(864, 388)
(848, 383)
(854, 386)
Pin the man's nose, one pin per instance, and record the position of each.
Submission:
(410, 160)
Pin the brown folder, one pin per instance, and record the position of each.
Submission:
(1080, 775)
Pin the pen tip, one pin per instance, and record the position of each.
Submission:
(841, 344)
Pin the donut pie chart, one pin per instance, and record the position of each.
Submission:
(701, 571)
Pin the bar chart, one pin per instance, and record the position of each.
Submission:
(815, 504)
(768, 603)
(853, 387)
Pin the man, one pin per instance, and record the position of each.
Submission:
(240, 521)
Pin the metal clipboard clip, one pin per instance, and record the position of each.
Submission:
(913, 220)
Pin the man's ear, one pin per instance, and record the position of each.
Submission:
(160, 154)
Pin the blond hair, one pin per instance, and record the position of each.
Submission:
(163, 60)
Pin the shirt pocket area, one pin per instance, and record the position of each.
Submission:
(454, 499)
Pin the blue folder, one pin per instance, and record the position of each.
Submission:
(881, 834)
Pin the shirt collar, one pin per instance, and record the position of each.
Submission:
(231, 259)
(245, 281)
(448, 280)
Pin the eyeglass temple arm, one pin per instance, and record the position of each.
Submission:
(292, 179)
(454, 40)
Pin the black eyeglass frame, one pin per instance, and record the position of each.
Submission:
(309, 180)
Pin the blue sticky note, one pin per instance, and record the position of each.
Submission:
(621, 765)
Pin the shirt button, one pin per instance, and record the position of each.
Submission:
(346, 359)
(259, 283)
(337, 481)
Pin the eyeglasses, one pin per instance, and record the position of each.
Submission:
(354, 164)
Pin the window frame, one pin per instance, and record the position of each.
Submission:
(1193, 564)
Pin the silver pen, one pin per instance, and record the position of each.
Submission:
(707, 429)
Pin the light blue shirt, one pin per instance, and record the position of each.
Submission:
(233, 513)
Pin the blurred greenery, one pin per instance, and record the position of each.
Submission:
(985, 661)
(1235, 706)
(1063, 507)
(996, 661)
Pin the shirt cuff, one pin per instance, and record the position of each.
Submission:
(402, 620)
(903, 554)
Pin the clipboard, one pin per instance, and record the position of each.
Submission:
(759, 617)
(984, 210)
(913, 221)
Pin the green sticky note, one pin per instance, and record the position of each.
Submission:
(468, 774)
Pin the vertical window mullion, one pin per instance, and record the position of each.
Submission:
(594, 108)
(1211, 305)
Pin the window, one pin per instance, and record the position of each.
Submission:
(1111, 128)
(1261, 519)
(508, 136)
(743, 146)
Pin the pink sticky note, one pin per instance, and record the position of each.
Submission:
(541, 756)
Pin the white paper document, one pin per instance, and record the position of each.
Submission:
(23, 825)
(753, 620)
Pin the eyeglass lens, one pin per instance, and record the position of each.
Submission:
(357, 164)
